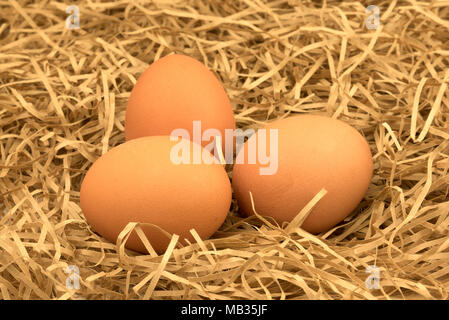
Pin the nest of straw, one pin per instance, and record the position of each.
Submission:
(63, 95)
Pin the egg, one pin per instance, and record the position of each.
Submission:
(310, 152)
(179, 92)
(155, 180)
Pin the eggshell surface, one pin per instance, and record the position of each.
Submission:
(138, 181)
(172, 93)
(313, 152)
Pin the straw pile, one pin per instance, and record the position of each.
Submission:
(63, 95)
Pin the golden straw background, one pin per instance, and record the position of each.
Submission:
(63, 96)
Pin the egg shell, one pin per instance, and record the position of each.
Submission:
(137, 181)
(314, 152)
(172, 93)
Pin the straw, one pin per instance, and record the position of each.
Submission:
(63, 95)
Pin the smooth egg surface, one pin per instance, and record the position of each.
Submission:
(172, 93)
(313, 152)
(142, 181)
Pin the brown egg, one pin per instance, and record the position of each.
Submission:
(313, 152)
(178, 92)
(146, 180)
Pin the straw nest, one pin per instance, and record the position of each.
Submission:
(63, 94)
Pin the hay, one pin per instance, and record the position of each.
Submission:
(63, 95)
